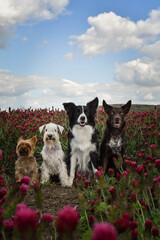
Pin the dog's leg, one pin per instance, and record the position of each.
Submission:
(18, 176)
(63, 176)
(94, 161)
(105, 163)
(44, 173)
(72, 169)
(35, 178)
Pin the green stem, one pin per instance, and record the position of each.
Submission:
(151, 198)
(55, 231)
(4, 236)
(85, 212)
(141, 212)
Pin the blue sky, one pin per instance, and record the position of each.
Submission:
(55, 51)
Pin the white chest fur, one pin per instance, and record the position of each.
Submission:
(81, 145)
(115, 144)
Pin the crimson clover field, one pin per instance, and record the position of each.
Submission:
(125, 206)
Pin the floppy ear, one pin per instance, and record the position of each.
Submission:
(41, 128)
(126, 107)
(33, 140)
(107, 107)
(60, 128)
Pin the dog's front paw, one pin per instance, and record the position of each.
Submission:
(70, 182)
(67, 185)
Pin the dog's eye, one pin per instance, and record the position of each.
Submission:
(46, 130)
(121, 113)
(112, 113)
(78, 111)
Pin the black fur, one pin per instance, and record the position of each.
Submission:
(74, 112)
(115, 130)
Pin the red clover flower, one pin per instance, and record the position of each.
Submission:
(103, 231)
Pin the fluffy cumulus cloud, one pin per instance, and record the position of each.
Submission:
(110, 32)
(144, 72)
(14, 12)
(42, 92)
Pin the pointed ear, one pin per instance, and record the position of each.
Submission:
(41, 128)
(60, 128)
(93, 103)
(20, 139)
(69, 107)
(107, 107)
(34, 140)
(126, 107)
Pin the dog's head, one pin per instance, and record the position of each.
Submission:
(81, 115)
(116, 114)
(25, 148)
(50, 131)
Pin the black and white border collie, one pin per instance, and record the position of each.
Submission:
(82, 139)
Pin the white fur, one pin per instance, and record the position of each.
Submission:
(115, 144)
(53, 155)
(81, 147)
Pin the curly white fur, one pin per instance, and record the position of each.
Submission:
(53, 155)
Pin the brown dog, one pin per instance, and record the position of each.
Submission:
(26, 164)
(114, 140)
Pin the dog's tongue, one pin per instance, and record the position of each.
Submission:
(82, 124)
(117, 125)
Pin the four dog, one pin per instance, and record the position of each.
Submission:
(114, 141)
(82, 139)
(82, 145)
(26, 164)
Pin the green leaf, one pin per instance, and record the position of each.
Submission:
(87, 235)
(102, 206)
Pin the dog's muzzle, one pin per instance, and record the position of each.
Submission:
(117, 123)
(23, 151)
(50, 137)
(82, 121)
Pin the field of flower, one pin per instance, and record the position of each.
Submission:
(125, 206)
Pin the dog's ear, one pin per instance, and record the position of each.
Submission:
(93, 104)
(20, 139)
(33, 140)
(60, 128)
(107, 107)
(41, 128)
(69, 107)
(126, 107)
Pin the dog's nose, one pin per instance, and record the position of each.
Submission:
(82, 118)
(117, 119)
(50, 136)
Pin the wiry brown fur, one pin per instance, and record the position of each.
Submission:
(26, 164)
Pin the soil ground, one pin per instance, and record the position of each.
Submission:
(55, 197)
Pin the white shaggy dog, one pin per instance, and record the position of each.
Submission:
(53, 155)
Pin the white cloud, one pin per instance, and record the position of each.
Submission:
(142, 72)
(69, 56)
(110, 32)
(41, 92)
(152, 50)
(43, 43)
(14, 12)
